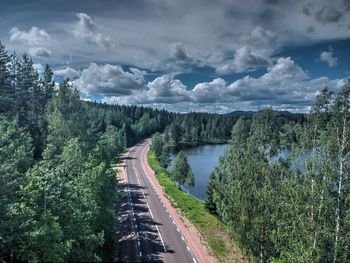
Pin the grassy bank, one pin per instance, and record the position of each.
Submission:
(213, 231)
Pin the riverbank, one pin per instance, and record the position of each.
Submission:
(191, 144)
(215, 234)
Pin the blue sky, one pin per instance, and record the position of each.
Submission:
(187, 55)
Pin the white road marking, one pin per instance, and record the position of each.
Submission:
(138, 242)
(143, 193)
(161, 238)
(159, 197)
(149, 208)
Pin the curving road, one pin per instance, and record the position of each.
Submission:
(150, 232)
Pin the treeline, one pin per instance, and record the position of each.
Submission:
(294, 208)
(57, 185)
(199, 128)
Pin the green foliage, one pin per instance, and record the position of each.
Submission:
(213, 231)
(157, 144)
(59, 205)
(197, 128)
(181, 171)
(15, 159)
(161, 148)
(295, 209)
(57, 185)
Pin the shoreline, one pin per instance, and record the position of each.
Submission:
(212, 233)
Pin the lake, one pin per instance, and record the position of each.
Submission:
(202, 159)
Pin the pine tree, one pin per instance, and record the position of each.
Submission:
(15, 158)
(6, 96)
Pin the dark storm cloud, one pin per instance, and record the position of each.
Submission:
(40, 52)
(310, 29)
(307, 9)
(179, 53)
(89, 41)
(346, 4)
(328, 14)
(273, 2)
(267, 17)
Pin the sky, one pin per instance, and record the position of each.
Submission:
(187, 55)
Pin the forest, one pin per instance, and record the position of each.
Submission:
(58, 188)
(292, 207)
(282, 187)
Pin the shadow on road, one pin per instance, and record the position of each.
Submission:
(144, 226)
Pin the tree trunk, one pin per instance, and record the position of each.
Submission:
(337, 211)
(339, 190)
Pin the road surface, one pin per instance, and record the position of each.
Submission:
(150, 232)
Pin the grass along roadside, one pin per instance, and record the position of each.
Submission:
(214, 232)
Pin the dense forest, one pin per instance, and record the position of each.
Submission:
(282, 187)
(58, 186)
(284, 191)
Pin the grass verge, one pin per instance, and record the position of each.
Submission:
(212, 229)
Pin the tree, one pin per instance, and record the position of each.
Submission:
(181, 171)
(157, 144)
(164, 158)
(16, 157)
(175, 133)
(6, 96)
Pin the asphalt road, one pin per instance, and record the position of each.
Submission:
(149, 232)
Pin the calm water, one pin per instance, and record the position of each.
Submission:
(202, 159)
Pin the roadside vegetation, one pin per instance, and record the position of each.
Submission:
(57, 185)
(294, 208)
(282, 187)
(213, 231)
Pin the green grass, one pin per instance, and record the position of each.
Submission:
(212, 229)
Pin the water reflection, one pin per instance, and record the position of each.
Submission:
(202, 159)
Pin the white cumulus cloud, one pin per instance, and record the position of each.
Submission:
(34, 37)
(109, 80)
(244, 60)
(67, 72)
(86, 30)
(329, 58)
(36, 41)
(284, 86)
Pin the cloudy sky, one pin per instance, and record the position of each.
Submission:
(187, 55)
